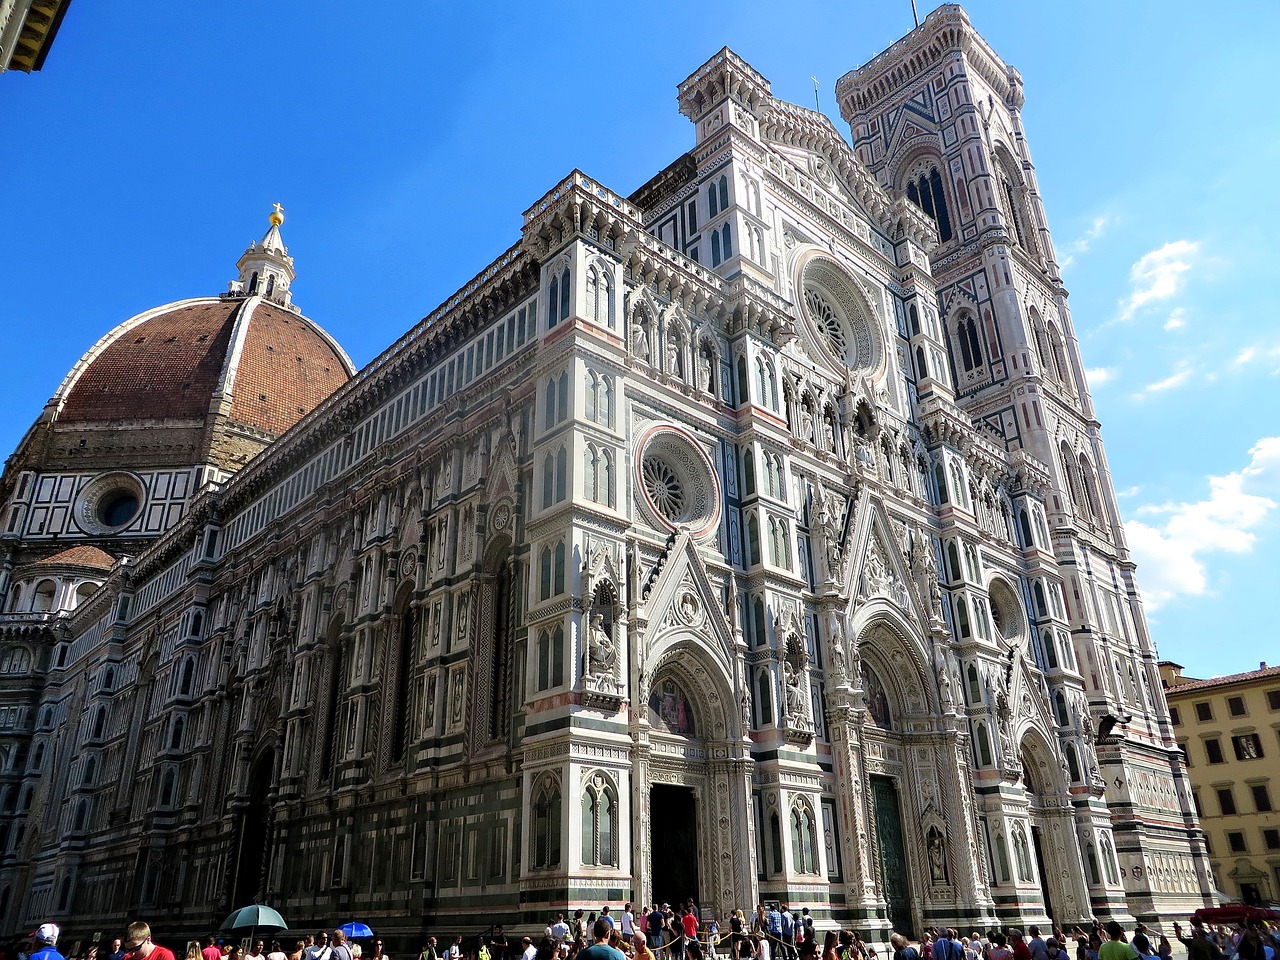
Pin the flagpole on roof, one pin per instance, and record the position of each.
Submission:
(915, 13)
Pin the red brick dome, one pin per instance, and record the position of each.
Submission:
(259, 364)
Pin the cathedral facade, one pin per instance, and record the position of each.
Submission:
(747, 538)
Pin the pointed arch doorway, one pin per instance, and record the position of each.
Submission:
(691, 785)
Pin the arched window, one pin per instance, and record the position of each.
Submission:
(983, 740)
(599, 398)
(37, 758)
(42, 599)
(724, 192)
(90, 769)
(548, 479)
(713, 200)
(775, 843)
(1002, 859)
(1070, 477)
(1024, 527)
(562, 473)
(926, 192)
(764, 697)
(1091, 860)
(1060, 708)
(81, 817)
(1050, 649)
(558, 585)
(597, 479)
(550, 651)
(715, 248)
(1090, 487)
(1037, 595)
(913, 320)
(962, 617)
(99, 723)
(407, 627)
(167, 785)
(753, 540)
(545, 559)
(1109, 862)
(546, 825)
(188, 676)
(599, 823)
(940, 479)
(175, 736)
(1073, 763)
(759, 629)
(966, 334)
(1059, 355)
(804, 848)
(742, 381)
(953, 561)
(975, 688)
(726, 242)
(922, 369)
(558, 299)
(593, 293)
(748, 471)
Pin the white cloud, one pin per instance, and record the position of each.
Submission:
(1171, 541)
(1083, 242)
(1158, 275)
(1176, 379)
(1129, 491)
(1245, 355)
(1100, 375)
(1177, 319)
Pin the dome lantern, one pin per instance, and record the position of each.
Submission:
(266, 269)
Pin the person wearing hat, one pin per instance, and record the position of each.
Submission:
(46, 938)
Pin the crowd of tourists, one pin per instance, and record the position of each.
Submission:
(680, 933)
(663, 932)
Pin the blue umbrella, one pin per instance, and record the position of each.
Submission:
(355, 929)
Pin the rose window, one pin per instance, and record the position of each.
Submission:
(825, 318)
(664, 488)
(676, 483)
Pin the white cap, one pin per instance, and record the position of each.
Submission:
(48, 933)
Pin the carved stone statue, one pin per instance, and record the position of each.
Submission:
(937, 856)
(601, 653)
(835, 641)
(744, 704)
(794, 702)
(639, 341)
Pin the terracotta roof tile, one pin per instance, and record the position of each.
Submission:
(166, 367)
(1192, 685)
(82, 556)
(286, 369)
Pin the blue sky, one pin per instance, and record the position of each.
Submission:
(405, 142)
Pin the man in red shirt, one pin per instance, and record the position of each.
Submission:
(138, 945)
(689, 922)
(1019, 944)
(211, 950)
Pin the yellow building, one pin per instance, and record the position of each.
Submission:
(1229, 729)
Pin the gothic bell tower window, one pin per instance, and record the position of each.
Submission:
(925, 191)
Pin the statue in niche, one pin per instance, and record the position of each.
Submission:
(602, 655)
(937, 847)
(806, 422)
(639, 340)
(707, 359)
(829, 527)
(836, 639)
(791, 689)
(669, 709)
(744, 704)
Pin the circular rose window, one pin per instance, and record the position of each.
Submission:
(1006, 612)
(837, 317)
(677, 481)
(109, 503)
